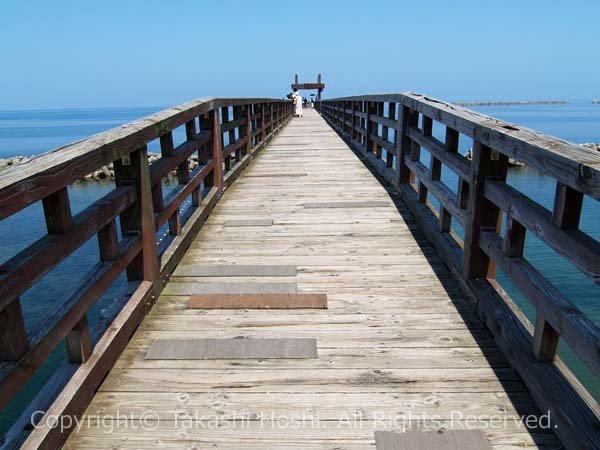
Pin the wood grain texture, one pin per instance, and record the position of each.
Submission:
(397, 335)
(428, 440)
(258, 301)
(236, 270)
(242, 348)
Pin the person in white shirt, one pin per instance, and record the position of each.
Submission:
(297, 103)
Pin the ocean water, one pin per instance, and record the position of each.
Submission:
(35, 131)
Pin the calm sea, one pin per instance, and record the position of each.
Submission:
(32, 132)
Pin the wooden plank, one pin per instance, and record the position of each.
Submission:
(432, 440)
(236, 270)
(13, 336)
(258, 301)
(368, 204)
(276, 175)
(231, 288)
(249, 223)
(243, 348)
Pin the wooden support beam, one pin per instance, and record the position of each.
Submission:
(545, 340)
(406, 118)
(139, 217)
(217, 149)
(567, 207)
(415, 155)
(175, 223)
(79, 343)
(482, 214)
(248, 130)
(13, 336)
(389, 160)
(108, 242)
(190, 134)
(57, 211)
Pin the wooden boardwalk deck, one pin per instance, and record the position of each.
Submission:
(398, 346)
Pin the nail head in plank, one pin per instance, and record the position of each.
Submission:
(236, 270)
(258, 301)
(432, 440)
(368, 204)
(249, 223)
(236, 348)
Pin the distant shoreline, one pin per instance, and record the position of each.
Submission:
(515, 103)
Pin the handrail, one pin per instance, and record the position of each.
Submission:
(138, 202)
(390, 130)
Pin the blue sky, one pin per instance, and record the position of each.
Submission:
(63, 53)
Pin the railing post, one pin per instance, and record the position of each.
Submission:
(368, 142)
(139, 217)
(389, 160)
(481, 214)
(353, 118)
(263, 125)
(217, 149)
(230, 134)
(190, 134)
(379, 108)
(57, 211)
(248, 133)
(406, 118)
(451, 145)
(566, 214)
(415, 155)
(13, 336)
(236, 116)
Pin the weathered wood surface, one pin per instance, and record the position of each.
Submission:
(398, 337)
(418, 440)
(474, 247)
(240, 348)
(258, 301)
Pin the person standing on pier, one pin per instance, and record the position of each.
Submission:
(297, 98)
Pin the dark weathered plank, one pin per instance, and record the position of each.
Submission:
(366, 204)
(236, 270)
(432, 440)
(242, 348)
(231, 288)
(249, 223)
(276, 175)
(258, 301)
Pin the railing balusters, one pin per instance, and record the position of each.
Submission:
(57, 211)
(482, 198)
(406, 118)
(217, 150)
(108, 242)
(13, 336)
(137, 202)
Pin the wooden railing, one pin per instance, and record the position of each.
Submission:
(138, 202)
(390, 130)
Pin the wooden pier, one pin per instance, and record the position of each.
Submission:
(416, 333)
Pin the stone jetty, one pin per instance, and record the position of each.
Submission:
(514, 103)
